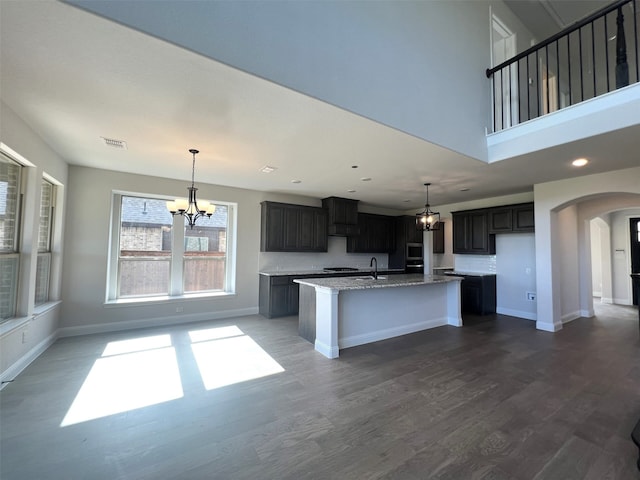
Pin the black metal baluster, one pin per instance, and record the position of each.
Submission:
(569, 67)
(510, 86)
(593, 59)
(606, 51)
(622, 67)
(558, 75)
(493, 87)
(546, 65)
(502, 96)
(635, 31)
(518, 86)
(528, 91)
(581, 69)
(539, 84)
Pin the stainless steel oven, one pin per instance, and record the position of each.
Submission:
(414, 252)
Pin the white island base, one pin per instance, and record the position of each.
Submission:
(350, 312)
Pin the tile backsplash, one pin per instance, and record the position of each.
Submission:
(475, 263)
(336, 256)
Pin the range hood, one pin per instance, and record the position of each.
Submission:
(343, 216)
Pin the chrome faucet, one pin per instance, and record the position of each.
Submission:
(374, 263)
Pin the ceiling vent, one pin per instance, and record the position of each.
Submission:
(113, 143)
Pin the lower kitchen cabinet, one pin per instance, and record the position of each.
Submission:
(479, 294)
(278, 296)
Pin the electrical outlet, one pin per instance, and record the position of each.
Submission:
(24, 336)
(179, 309)
(531, 296)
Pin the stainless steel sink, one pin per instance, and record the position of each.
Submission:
(370, 277)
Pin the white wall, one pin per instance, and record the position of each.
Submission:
(596, 232)
(24, 338)
(515, 274)
(595, 195)
(567, 242)
(417, 66)
(621, 256)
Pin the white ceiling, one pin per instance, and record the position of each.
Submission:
(75, 77)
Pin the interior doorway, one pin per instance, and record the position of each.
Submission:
(505, 85)
(634, 248)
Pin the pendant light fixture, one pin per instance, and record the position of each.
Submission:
(190, 209)
(427, 219)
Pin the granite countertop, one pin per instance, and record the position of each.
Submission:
(363, 271)
(361, 283)
(470, 274)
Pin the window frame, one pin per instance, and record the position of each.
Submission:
(46, 253)
(176, 276)
(16, 251)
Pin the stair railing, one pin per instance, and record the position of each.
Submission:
(572, 66)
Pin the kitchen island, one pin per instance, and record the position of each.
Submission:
(344, 312)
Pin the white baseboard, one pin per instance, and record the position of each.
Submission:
(517, 313)
(569, 317)
(622, 301)
(327, 350)
(354, 340)
(596, 294)
(154, 322)
(548, 327)
(606, 300)
(13, 371)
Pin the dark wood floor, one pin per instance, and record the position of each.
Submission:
(495, 399)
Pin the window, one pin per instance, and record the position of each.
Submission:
(45, 230)
(158, 255)
(10, 181)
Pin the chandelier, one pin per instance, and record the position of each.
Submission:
(190, 209)
(427, 219)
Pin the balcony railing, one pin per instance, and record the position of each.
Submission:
(583, 61)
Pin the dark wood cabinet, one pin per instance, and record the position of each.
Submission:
(405, 232)
(512, 218)
(293, 228)
(479, 294)
(278, 296)
(438, 239)
(471, 233)
(342, 216)
(377, 234)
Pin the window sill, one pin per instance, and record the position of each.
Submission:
(45, 307)
(12, 324)
(164, 299)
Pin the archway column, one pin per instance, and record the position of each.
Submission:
(547, 270)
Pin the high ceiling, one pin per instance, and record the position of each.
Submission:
(75, 77)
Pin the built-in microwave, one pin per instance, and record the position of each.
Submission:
(414, 251)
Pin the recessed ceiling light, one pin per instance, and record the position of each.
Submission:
(351, 191)
(579, 162)
(296, 181)
(366, 179)
(464, 189)
(267, 169)
(405, 201)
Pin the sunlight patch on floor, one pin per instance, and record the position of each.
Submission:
(230, 357)
(131, 374)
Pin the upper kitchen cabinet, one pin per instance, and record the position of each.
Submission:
(292, 228)
(512, 218)
(438, 238)
(377, 234)
(471, 233)
(342, 216)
